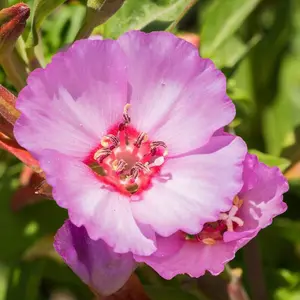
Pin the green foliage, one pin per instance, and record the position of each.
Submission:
(221, 20)
(272, 161)
(41, 9)
(136, 14)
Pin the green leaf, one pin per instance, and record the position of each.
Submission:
(4, 278)
(283, 115)
(287, 229)
(291, 290)
(61, 28)
(27, 226)
(54, 27)
(24, 281)
(136, 15)
(77, 17)
(232, 51)
(42, 8)
(272, 161)
(221, 20)
(105, 5)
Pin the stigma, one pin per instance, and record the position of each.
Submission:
(213, 232)
(127, 159)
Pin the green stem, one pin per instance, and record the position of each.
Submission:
(15, 69)
(254, 271)
(172, 27)
(88, 25)
(97, 13)
(33, 61)
(84, 32)
(20, 47)
(3, 3)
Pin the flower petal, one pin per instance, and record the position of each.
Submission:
(196, 188)
(176, 96)
(262, 201)
(104, 213)
(262, 194)
(193, 258)
(70, 104)
(93, 261)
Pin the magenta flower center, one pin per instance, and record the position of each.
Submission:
(213, 231)
(126, 159)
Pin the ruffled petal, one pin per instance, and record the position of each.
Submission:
(262, 194)
(104, 213)
(70, 104)
(176, 96)
(194, 189)
(193, 258)
(94, 262)
(262, 201)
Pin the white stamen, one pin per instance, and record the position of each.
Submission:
(157, 162)
(231, 217)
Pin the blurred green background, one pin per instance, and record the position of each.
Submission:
(256, 43)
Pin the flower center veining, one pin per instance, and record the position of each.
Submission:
(126, 159)
(213, 232)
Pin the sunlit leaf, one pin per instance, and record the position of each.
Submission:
(291, 291)
(232, 51)
(42, 8)
(283, 115)
(27, 226)
(272, 161)
(25, 280)
(136, 14)
(221, 20)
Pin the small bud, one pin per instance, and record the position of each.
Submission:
(8, 113)
(12, 23)
(23, 155)
(192, 38)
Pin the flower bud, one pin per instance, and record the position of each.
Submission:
(12, 23)
(192, 38)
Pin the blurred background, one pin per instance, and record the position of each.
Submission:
(256, 43)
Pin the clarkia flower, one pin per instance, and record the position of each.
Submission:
(254, 208)
(125, 132)
(103, 270)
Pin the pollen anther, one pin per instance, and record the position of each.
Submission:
(127, 159)
(119, 165)
(154, 146)
(143, 137)
(126, 116)
(238, 202)
(101, 154)
(110, 141)
(209, 241)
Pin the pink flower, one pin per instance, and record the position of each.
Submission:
(124, 132)
(103, 270)
(254, 208)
